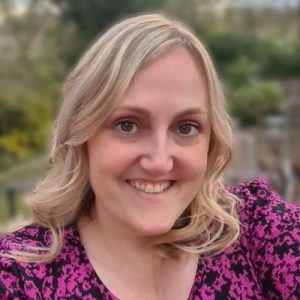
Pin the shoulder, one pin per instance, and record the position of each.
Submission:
(11, 270)
(262, 208)
(34, 238)
(270, 233)
(265, 216)
(20, 279)
(30, 235)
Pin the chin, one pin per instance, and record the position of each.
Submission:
(155, 230)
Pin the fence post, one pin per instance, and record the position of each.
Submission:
(11, 192)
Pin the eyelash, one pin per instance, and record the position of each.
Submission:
(133, 124)
(123, 122)
(191, 126)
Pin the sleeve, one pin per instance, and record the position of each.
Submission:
(274, 242)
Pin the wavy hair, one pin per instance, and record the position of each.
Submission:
(90, 93)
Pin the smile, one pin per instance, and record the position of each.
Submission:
(150, 188)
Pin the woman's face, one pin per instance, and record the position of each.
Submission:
(148, 160)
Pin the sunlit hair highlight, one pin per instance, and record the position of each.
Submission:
(91, 92)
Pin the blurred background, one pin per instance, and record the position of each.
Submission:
(255, 45)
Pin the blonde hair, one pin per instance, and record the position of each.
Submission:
(91, 92)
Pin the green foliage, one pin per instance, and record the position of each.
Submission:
(278, 59)
(250, 97)
(30, 77)
(275, 58)
(27, 101)
(42, 51)
(228, 46)
(24, 127)
(44, 46)
(251, 102)
(93, 15)
(89, 18)
(240, 72)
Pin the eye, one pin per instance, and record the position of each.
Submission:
(127, 126)
(188, 129)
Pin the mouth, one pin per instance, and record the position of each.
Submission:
(151, 187)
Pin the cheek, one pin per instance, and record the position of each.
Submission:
(108, 157)
(193, 164)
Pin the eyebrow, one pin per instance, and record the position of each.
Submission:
(186, 112)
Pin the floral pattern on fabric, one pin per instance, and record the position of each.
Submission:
(263, 264)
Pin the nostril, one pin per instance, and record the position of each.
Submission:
(157, 166)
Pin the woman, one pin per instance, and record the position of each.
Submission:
(134, 206)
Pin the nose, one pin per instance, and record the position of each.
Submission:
(157, 158)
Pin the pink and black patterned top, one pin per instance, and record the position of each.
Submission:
(263, 264)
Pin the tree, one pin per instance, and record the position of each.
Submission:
(251, 98)
(29, 78)
(84, 20)
(252, 103)
(278, 59)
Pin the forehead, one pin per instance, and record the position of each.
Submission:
(171, 65)
(174, 79)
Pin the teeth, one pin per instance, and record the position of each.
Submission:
(149, 187)
(157, 188)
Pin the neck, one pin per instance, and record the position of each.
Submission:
(107, 243)
(126, 261)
